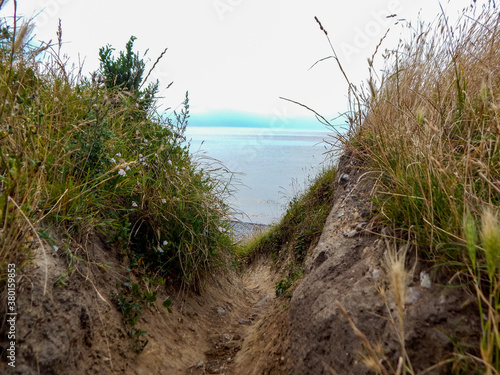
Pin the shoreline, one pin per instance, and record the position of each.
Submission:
(243, 230)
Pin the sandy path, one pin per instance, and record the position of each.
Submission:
(235, 340)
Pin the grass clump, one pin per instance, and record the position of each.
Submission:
(298, 230)
(300, 226)
(429, 125)
(80, 154)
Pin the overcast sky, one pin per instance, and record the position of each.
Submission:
(238, 55)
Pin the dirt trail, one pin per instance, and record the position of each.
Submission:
(236, 325)
(237, 345)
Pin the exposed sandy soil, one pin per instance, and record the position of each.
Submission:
(347, 267)
(77, 329)
(248, 341)
(236, 325)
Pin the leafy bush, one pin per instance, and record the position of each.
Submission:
(126, 73)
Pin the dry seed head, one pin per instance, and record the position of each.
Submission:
(397, 274)
(59, 34)
(373, 364)
(381, 290)
(320, 25)
(490, 236)
(420, 115)
(23, 36)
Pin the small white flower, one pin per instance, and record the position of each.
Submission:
(163, 201)
(56, 100)
(134, 204)
(169, 161)
(121, 172)
(165, 243)
(160, 250)
(128, 168)
(146, 141)
(112, 160)
(140, 155)
(119, 155)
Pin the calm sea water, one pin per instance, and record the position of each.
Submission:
(272, 165)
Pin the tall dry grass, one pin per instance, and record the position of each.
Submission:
(429, 125)
(431, 128)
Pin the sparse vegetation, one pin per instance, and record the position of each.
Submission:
(131, 300)
(299, 229)
(292, 274)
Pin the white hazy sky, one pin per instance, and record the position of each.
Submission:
(238, 55)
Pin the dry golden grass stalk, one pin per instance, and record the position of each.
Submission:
(398, 278)
(431, 127)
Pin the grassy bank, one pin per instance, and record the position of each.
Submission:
(288, 241)
(81, 155)
(429, 126)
